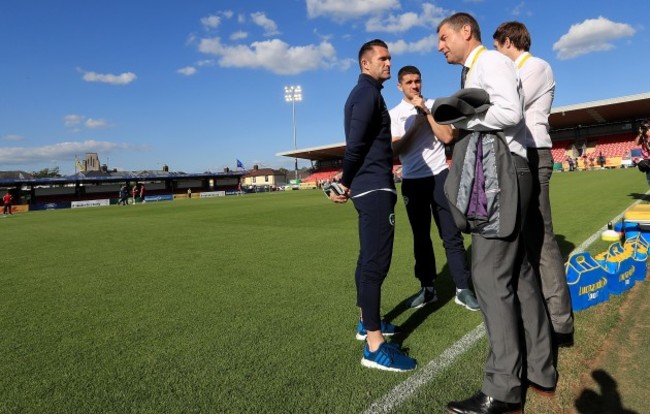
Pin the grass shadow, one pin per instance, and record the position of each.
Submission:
(445, 290)
(640, 196)
(608, 401)
(565, 245)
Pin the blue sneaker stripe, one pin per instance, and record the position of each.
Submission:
(384, 360)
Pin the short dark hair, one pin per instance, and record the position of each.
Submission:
(458, 20)
(516, 32)
(408, 70)
(369, 45)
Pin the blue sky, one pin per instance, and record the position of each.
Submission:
(199, 84)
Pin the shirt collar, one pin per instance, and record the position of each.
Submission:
(522, 58)
(369, 79)
(470, 58)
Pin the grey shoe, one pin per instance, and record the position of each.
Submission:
(466, 298)
(423, 297)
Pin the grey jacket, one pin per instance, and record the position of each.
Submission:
(482, 185)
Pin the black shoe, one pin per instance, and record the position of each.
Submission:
(543, 391)
(563, 340)
(483, 404)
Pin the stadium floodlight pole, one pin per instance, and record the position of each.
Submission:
(293, 94)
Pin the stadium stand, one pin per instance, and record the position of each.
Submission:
(559, 150)
(615, 145)
(323, 174)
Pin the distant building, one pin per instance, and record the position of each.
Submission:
(91, 162)
(266, 178)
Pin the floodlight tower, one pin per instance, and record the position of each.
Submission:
(293, 94)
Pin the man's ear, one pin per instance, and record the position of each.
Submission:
(466, 30)
(364, 64)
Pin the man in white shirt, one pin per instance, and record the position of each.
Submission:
(513, 40)
(504, 281)
(424, 171)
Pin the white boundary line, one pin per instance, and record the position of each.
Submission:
(596, 235)
(429, 372)
(426, 374)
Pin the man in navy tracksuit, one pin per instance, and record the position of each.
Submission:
(368, 180)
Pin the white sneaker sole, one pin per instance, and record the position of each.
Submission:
(363, 337)
(371, 364)
(423, 304)
(458, 302)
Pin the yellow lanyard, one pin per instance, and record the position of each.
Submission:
(520, 64)
(478, 53)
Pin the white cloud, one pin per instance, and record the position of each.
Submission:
(205, 62)
(238, 35)
(521, 10)
(424, 45)
(592, 35)
(241, 18)
(12, 137)
(187, 70)
(269, 26)
(211, 22)
(228, 14)
(63, 151)
(121, 79)
(348, 9)
(96, 123)
(72, 120)
(273, 55)
(430, 17)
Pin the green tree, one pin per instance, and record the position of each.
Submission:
(47, 173)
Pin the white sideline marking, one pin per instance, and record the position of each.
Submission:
(596, 235)
(424, 375)
(407, 388)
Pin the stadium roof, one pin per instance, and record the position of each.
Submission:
(607, 111)
(325, 152)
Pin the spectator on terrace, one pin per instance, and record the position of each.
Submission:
(136, 191)
(124, 196)
(572, 165)
(642, 141)
(8, 200)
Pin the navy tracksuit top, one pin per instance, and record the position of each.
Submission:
(368, 159)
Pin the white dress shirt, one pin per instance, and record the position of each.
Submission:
(497, 75)
(424, 155)
(539, 88)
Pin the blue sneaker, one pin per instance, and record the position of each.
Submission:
(424, 296)
(388, 357)
(387, 329)
(466, 298)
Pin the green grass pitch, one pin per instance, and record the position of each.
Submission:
(235, 304)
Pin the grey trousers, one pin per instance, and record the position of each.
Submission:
(543, 251)
(510, 298)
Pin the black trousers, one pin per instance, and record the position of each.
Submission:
(376, 212)
(425, 198)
